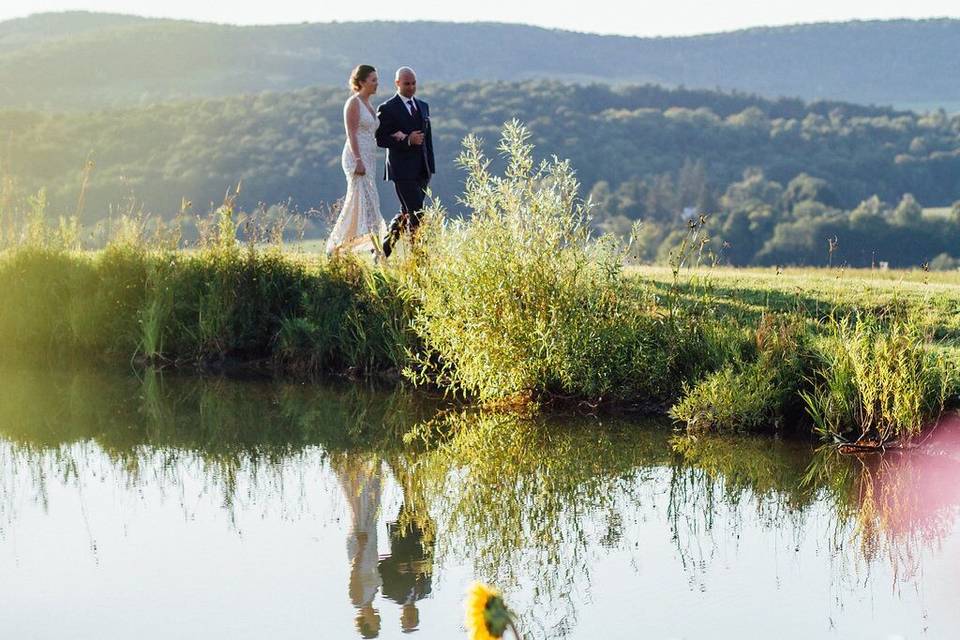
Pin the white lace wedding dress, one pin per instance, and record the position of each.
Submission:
(360, 225)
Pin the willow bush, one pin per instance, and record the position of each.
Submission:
(518, 302)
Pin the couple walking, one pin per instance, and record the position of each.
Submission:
(400, 125)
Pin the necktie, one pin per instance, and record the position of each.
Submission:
(412, 107)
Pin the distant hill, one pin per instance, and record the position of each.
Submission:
(37, 29)
(82, 60)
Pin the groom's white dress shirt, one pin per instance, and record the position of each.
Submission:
(407, 102)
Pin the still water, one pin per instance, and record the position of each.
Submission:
(162, 506)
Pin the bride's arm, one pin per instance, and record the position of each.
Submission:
(351, 122)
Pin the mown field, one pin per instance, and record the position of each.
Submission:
(815, 293)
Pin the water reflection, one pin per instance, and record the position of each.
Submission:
(536, 507)
(407, 572)
(899, 503)
(403, 575)
(361, 479)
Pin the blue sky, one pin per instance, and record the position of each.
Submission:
(675, 17)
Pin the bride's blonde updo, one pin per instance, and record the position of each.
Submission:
(360, 75)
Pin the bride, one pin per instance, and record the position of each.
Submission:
(359, 225)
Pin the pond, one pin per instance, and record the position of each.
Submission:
(166, 506)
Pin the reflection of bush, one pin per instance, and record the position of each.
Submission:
(523, 496)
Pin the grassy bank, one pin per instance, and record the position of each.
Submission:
(516, 305)
(211, 308)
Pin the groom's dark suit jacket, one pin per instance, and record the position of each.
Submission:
(405, 162)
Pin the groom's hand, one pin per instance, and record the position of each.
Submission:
(416, 138)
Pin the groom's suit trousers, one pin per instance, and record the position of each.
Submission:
(411, 194)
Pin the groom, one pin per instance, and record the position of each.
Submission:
(405, 133)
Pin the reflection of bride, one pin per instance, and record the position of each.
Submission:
(361, 479)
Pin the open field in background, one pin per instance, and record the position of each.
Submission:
(935, 213)
(746, 293)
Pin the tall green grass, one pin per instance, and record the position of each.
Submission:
(353, 319)
(755, 393)
(219, 304)
(876, 382)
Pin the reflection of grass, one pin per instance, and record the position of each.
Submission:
(749, 465)
(899, 503)
(889, 507)
(213, 417)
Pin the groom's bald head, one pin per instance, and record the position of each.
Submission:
(406, 81)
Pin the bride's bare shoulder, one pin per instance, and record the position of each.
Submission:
(352, 102)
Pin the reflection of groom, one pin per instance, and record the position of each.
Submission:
(405, 133)
(408, 571)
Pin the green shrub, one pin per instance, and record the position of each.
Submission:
(518, 302)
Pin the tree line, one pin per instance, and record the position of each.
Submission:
(646, 153)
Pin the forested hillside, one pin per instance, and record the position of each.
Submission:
(643, 152)
(80, 61)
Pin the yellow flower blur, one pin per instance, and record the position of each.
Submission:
(487, 616)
